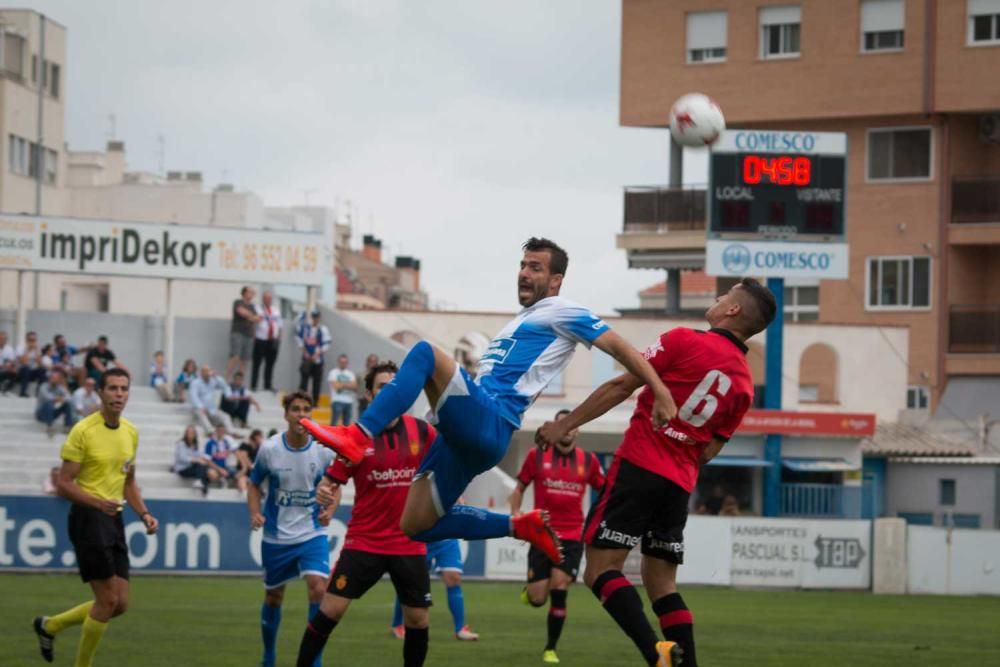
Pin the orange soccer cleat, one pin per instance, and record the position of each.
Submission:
(534, 527)
(349, 442)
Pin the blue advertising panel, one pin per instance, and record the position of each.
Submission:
(195, 536)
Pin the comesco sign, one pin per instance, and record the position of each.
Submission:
(776, 259)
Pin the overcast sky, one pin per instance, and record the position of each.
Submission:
(458, 129)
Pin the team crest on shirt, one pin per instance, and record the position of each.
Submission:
(579, 470)
(414, 447)
(341, 582)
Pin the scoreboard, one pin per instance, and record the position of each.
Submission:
(766, 184)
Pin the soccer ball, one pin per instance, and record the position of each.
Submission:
(696, 120)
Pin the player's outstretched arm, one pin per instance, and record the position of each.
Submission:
(253, 505)
(608, 395)
(711, 451)
(664, 408)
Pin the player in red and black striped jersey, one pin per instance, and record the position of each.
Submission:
(561, 476)
(374, 544)
(650, 480)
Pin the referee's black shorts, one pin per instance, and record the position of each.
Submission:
(99, 542)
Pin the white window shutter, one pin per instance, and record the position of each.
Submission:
(977, 7)
(882, 15)
(706, 30)
(780, 14)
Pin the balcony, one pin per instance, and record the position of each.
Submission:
(831, 501)
(664, 227)
(975, 212)
(974, 329)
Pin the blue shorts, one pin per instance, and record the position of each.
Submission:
(472, 438)
(287, 562)
(444, 555)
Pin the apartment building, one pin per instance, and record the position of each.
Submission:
(914, 85)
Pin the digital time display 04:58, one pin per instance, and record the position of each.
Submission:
(777, 170)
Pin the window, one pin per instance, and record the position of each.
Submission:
(882, 23)
(12, 53)
(984, 22)
(54, 80)
(917, 398)
(808, 393)
(801, 303)
(899, 154)
(51, 166)
(946, 488)
(899, 282)
(779, 31)
(17, 155)
(706, 37)
(34, 68)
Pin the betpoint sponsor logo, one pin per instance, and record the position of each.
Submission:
(563, 485)
(392, 475)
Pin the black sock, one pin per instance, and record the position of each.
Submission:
(314, 638)
(415, 647)
(622, 601)
(557, 616)
(677, 624)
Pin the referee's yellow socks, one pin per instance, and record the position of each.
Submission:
(93, 630)
(74, 616)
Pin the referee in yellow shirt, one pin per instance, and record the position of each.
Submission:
(98, 477)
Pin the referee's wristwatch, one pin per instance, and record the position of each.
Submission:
(143, 515)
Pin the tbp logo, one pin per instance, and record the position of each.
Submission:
(736, 258)
(838, 552)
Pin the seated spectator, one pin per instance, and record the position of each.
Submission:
(246, 454)
(201, 398)
(8, 364)
(730, 507)
(53, 401)
(218, 448)
(85, 399)
(64, 353)
(188, 373)
(237, 401)
(273, 432)
(100, 358)
(158, 377)
(29, 363)
(190, 463)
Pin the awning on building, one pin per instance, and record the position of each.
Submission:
(819, 465)
(740, 462)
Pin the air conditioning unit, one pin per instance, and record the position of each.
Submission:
(989, 128)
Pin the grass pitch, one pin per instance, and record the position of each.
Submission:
(214, 621)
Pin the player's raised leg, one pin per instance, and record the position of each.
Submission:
(660, 579)
(425, 368)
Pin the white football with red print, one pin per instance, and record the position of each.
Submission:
(696, 120)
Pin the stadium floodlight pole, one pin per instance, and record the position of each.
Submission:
(772, 398)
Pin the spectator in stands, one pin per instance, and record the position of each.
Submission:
(8, 364)
(730, 506)
(48, 360)
(188, 373)
(190, 463)
(241, 332)
(343, 390)
(314, 339)
(54, 401)
(158, 377)
(100, 358)
(237, 401)
(29, 363)
(267, 338)
(201, 397)
(246, 454)
(370, 362)
(219, 448)
(86, 399)
(64, 354)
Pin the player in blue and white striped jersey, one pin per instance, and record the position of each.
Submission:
(282, 501)
(476, 417)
